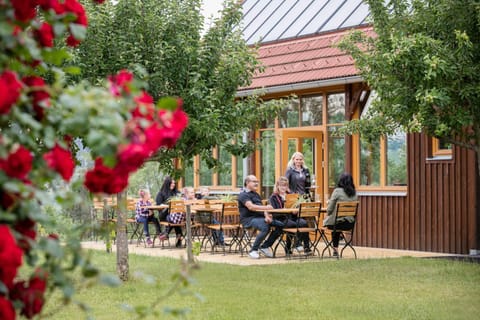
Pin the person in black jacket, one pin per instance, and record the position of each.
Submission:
(299, 179)
(168, 191)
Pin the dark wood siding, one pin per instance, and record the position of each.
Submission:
(438, 212)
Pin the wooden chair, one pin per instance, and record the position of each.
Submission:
(344, 209)
(309, 211)
(229, 221)
(174, 206)
(197, 227)
(291, 199)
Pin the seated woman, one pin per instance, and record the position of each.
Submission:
(143, 215)
(168, 191)
(277, 201)
(345, 191)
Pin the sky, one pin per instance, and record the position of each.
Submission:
(211, 7)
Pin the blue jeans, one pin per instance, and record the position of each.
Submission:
(145, 221)
(264, 228)
(218, 235)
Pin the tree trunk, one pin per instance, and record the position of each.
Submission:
(189, 235)
(477, 203)
(122, 239)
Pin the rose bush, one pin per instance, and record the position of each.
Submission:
(39, 117)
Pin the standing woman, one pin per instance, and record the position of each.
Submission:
(345, 191)
(167, 191)
(299, 180)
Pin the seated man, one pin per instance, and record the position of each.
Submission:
(250, 206)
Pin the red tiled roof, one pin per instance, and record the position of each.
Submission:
(303, 60)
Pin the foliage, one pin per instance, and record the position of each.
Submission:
(423, 63)
(163, 42)
(39, 120)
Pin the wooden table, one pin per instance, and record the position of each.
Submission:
(157, 207)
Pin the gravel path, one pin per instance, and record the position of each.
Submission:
(237, 259)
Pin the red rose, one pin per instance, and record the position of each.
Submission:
(120, 82)
(41, 98)
(131, 157)
(52, 4)
(72, 42)
(73, 6)
(44, 35)
(32, 295)
(104, 179)
(173, 125)
(6, 199)
(145, 108)
(27, 229)
(61, 161)
(24, 9)
(7, 312)
(9, 91)
(10, 256)
(18, 164)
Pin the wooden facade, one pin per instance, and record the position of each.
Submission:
(438, 213)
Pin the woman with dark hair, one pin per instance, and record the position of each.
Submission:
(167, 191)
(345, 191)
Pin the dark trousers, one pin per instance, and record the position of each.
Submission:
(344, 225)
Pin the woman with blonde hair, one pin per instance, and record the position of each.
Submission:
(298, 175)
(277, 201)
(144, 215)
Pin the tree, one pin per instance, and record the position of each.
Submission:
(424, 64)
(38, 120)
(163, 42)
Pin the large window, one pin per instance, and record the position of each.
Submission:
(289, 117)
(383, 162)
(268, 161)
(336, 157)
(336, 108)
(312, 110)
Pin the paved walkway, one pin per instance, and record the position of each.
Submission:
(237, 259)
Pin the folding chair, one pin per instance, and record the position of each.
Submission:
(175, 206)
(309, 211)
(344, 209)
(229, 221)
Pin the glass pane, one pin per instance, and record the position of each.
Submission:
(308, 146)
(444, 145)
(369, 163)
(268, 162)
(205, 174)
(397, 160)
(288, 117)
(225, 177)
(240, 172)
(336, 108)
(312, 111)
(292, 147)
(336, 158)
(189, 175)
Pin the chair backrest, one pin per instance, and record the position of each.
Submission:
(291, 199)
(230, 212)
(347, 209)
(177, 206)
(310, 211)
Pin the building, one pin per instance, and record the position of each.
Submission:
(416, 193)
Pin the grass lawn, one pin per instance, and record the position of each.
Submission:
(399, 288)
